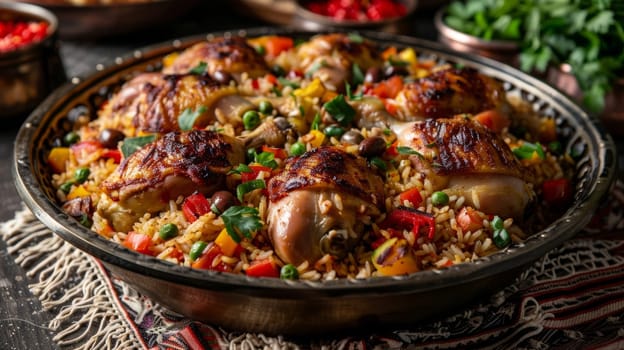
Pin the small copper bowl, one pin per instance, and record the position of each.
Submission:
(29, 73)
(612, 116)
(501, 50)
(307, 20)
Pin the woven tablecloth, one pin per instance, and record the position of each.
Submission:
(572, 298)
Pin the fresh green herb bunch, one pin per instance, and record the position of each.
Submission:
(587, 34)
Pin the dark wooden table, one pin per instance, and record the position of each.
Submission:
(23, 324)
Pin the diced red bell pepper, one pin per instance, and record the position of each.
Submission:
(114, 154)
(275, 45)
(139, 242)
(263, 268)
(205, 261)
(83, 150)
(392, 151)
(195, 206)
(410, 219)
(469, 220)
(412, 195)
(557, 192)
(389, 88)
(493, 120)
(279, 153)
(255, 170)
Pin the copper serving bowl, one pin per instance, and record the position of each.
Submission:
(308, 20)
(501, 50)
(100, 19)
(29, 73)
(276, 306)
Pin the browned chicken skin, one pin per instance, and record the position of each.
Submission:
(330, 58)
(449, 92)
(319, 204)
(153, 102)
(177, 164)
(469, 160)
(232, 56)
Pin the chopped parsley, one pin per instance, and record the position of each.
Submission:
(241, 221)
(187, 118)
(199, 69)
(132, 144)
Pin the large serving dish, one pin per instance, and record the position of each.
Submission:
(279, 306)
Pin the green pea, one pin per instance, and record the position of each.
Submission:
(197, 249)
(439, 198)
(501, 238)
(334, 131)
(71, 138)
(289, 272)
(82, 174)
(265, 107)
(66, 187)
(251, 119)
(497, 223)
(168, 230)
(297, 149)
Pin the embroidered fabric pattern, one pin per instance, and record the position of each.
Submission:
(571, 298)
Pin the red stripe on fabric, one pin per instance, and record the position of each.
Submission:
(118, 303)
(575, 280)
(587, 316)
(190, 338)
(584, 289)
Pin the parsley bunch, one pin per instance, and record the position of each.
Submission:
(587, 34)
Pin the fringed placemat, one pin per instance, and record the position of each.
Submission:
(571, 298)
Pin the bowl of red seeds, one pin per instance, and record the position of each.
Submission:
(30, 64)
(381, 15)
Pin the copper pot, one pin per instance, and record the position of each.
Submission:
(612, 116)
(505, 51)
(28, 74)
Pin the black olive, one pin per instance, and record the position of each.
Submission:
(352, 137)
(372, 147)
(222, 77)
(282, 123)
(109, 138)
(221, 201)
(395, 70)
(373, 75)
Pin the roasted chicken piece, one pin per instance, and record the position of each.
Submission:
(465, 158)
(224, 57)
(320, 203)
(449, 92)
(330, 58)
(177, 164)
(153, 102)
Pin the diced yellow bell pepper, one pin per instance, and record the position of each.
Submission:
(76, 192)
(57, 159)
(408, 55)
(314, 89)
(394, 258)
(317, 138)
(226, 243)
(169, 59)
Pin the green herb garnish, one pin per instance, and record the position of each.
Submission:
(187, 118)
(409, 151)
(199, 69)
(340, 110)
(132, 144)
